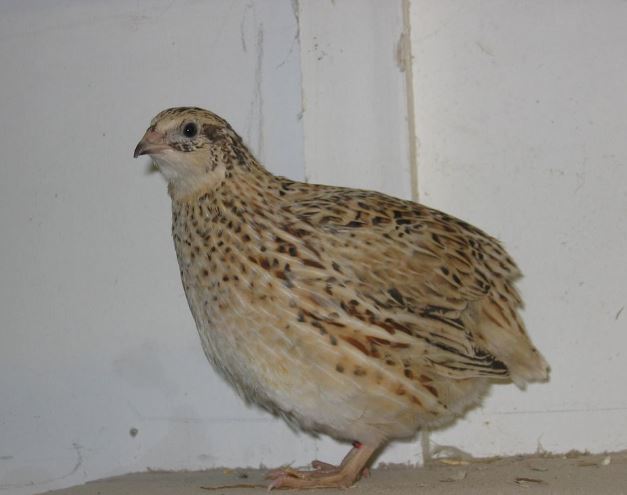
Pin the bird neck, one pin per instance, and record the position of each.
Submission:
(227, 167)
(243, 181)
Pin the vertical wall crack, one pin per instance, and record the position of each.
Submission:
(405, 61)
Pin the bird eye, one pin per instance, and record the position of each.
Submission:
(190, 130)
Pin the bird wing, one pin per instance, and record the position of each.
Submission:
(423, 286)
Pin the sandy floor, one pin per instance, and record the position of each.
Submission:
(571, 474)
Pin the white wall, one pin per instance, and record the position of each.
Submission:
(521, 120)
(354, 96)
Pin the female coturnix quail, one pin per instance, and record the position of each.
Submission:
(348, 312)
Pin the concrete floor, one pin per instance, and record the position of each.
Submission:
(569, 474)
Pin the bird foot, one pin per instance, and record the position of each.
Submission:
(324, 475)
(287, 478)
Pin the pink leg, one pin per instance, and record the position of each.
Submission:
(325, 475)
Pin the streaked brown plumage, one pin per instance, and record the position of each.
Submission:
(347, 312)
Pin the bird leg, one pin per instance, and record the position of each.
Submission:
(325, 475)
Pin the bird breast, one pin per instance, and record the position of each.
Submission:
(265, 324)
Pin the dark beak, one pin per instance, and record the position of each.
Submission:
(152, 143)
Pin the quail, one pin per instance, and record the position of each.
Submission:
(347, 312)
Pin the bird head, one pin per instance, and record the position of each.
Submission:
(191, 147)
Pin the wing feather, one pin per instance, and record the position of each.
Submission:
(426, 279)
